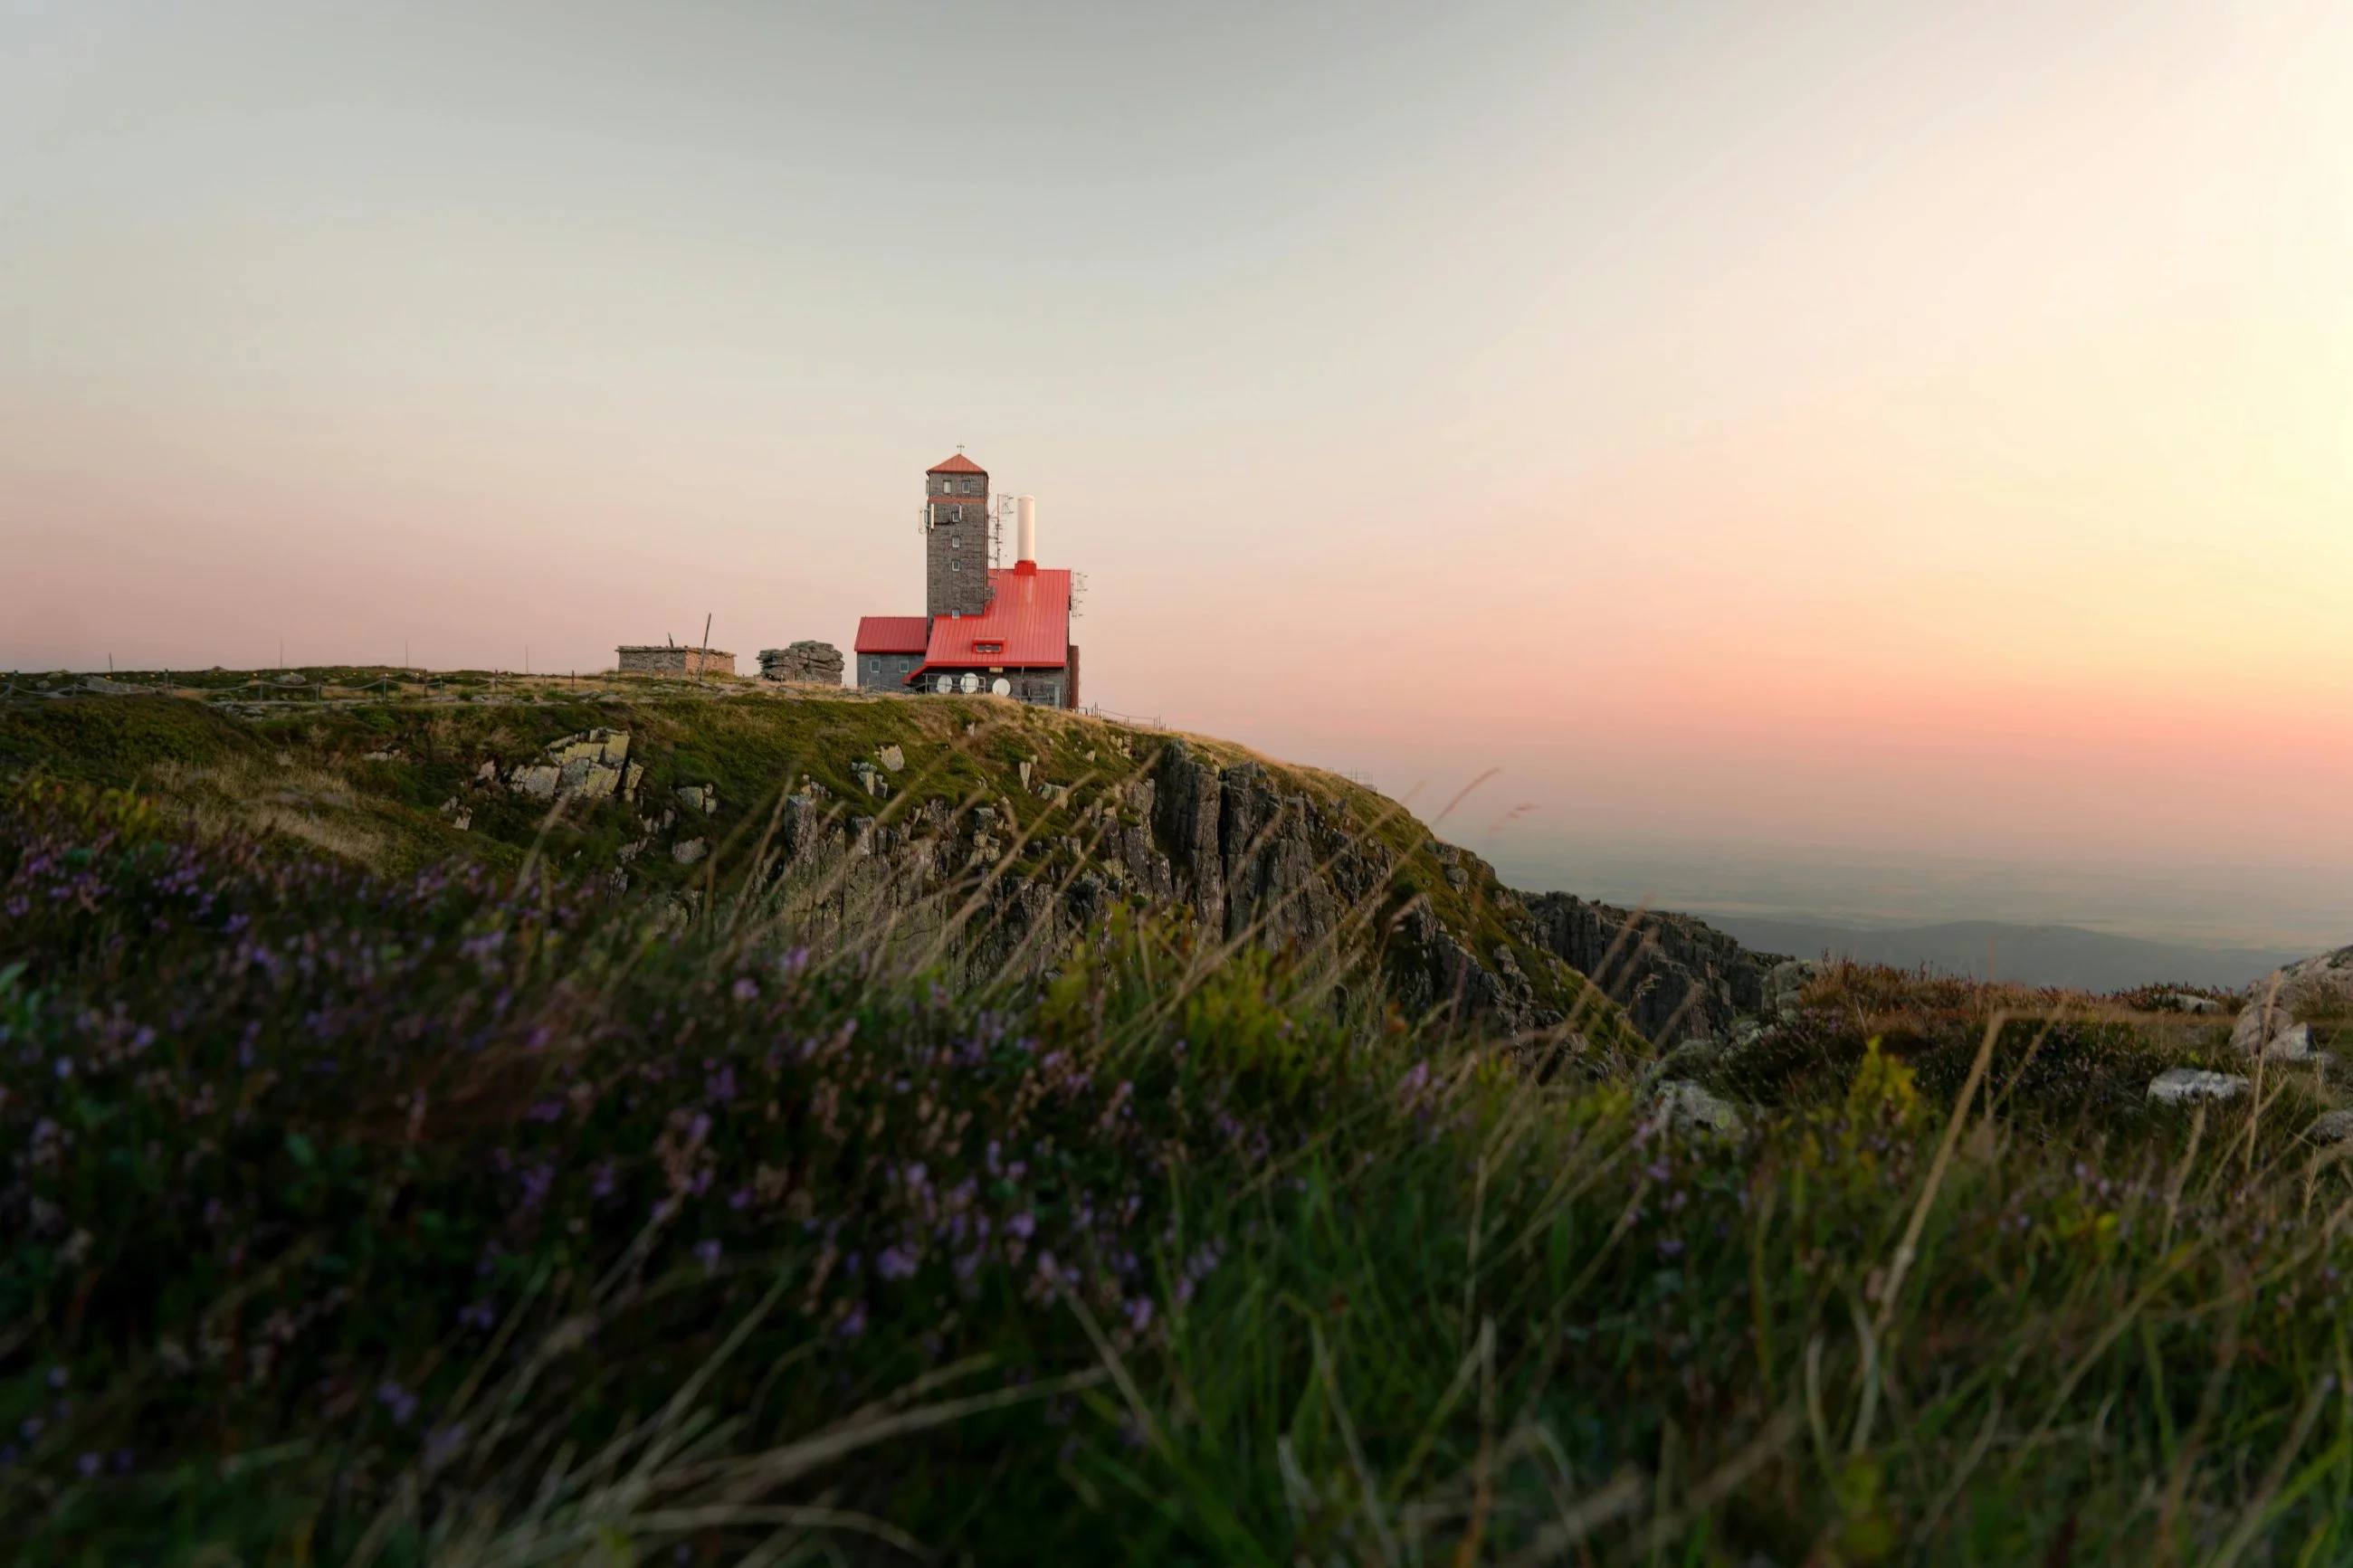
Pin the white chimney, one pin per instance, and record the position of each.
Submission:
(1028, 533)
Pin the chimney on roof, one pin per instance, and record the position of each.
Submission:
(1028, 533)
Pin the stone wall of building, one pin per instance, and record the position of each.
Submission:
(886, 671)
(805, 663)
(955, 544)
(955, 564)
(1048, 688)
(663, 659)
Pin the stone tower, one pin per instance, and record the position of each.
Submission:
(955, 537)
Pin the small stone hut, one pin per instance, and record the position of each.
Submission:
(669, 658)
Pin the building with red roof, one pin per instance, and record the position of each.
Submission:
(1005, 630)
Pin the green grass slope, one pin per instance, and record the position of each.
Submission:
(360, 764)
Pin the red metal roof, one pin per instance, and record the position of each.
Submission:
(892, 634)
(959, 463)
(1029, 619)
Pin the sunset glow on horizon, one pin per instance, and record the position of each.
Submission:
(1907, 430)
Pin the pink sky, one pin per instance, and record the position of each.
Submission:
(1799, 425)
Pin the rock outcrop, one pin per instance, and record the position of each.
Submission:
(1687, 1108)
(2282, 1011)
(804, 663)
(1671, 973)
(2178, 1086)
(1256, 859)
(593, 766)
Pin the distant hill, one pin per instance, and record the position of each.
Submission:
(2037, 954)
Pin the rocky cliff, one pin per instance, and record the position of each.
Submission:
(1674, 975)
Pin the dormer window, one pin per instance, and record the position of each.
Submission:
(989, 647)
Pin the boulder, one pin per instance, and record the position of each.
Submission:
(2280, 1010)
(1783, 984)
(2337, 1127)
(2293, 1043)
(2178, 1086)
(591, 766)
(804, 663)
(1687, 1108)
(2185, 1002)
(893, 758)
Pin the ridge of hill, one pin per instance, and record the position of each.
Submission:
(2054, 955)
(991, 830)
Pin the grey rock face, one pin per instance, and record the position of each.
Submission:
(2336, 1127)
(893, 758)
(1661, 968)
(2293, 1043)
(2178, 1086)
(2280, 1010)
(1189, 808)
(593, 766)
(1785, 981)
(689, 851)
(805, 663)
(2189, 1004)
(1689, 1108)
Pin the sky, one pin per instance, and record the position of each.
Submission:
(1741, 435)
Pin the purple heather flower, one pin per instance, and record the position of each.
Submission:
(706, 1252)
(397, 1400)
(57, 1377)
(87, 1465)
(1023, 1224)
(480, 1315)
(895, 1262)
(855, 1323)
(746, 988)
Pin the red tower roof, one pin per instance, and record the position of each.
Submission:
(959, 463)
